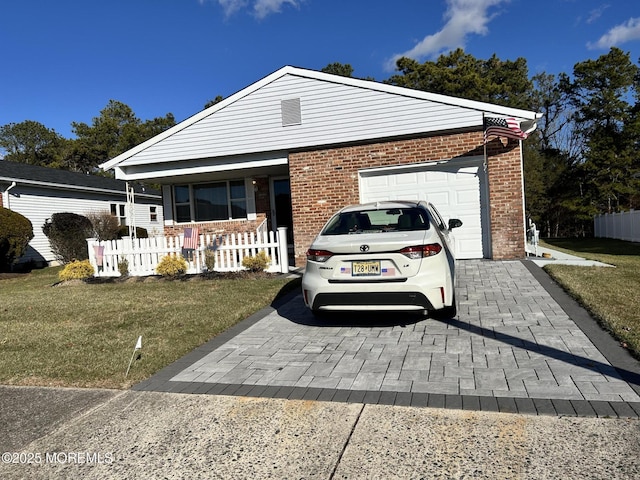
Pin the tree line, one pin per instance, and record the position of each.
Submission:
(581, 160)
(115, 130)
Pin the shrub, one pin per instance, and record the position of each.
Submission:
(257, 263)
(210, 260)
(15, 234)
(123, 231)
(68, 233)
(123, 267)
(76, 270)
(105, 225)
(172, 266)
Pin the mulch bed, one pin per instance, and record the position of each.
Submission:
(183, 278)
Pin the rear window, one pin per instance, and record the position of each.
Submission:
(377, 221)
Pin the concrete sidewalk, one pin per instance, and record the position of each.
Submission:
(151, 435)
(561, 258)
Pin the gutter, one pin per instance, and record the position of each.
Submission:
(13, 184)
(60, 186)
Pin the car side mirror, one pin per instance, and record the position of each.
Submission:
(454, 223)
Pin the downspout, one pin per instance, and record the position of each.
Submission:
(527, 127)
(13, 184)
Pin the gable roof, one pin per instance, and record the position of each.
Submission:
(177, 143)
(35, 175)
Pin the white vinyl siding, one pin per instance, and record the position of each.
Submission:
(38, 204)
(330, 113)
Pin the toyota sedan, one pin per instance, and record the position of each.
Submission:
(393, 255)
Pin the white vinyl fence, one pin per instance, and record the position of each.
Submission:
(144, 254)
(621, 226)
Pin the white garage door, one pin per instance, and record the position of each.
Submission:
(457, 189)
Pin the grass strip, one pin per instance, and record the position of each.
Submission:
(609, 294)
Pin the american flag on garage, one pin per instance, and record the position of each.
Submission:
(503, 127)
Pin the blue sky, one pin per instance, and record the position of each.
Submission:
(63, 60)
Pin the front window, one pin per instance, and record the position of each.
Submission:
(118, 210)
(182, 202)
(205, 202)
(210, 202)
(238, 199)
(377, 221)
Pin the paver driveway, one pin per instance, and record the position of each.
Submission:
(511, 346)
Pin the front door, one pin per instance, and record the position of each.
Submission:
(281, 206)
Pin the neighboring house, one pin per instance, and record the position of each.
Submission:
(297, 145)
(38, 192)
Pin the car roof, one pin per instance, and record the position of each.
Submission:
(380, 205)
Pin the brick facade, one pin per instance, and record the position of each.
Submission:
(218, 228)
(506, 197)
(322, 181)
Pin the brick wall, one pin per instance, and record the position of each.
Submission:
(322, 181)
(506, 199)
(218, 228)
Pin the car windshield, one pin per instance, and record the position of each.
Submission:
(377, 221)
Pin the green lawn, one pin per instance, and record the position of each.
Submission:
(610, 294)
(80, 334)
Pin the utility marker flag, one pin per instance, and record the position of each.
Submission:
(136, 348)
(503, 127)
(190, 238)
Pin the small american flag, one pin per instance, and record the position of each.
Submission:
(503, 127)
(99, 251)
(190, 238)
(388, 272)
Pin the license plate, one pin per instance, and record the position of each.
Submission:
(362, 269)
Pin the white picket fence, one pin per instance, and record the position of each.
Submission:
(621, 226)
(144, 254)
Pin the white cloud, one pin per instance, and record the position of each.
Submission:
(597, 13)
(260, 8)
(625, 32)
(231, 6)
(463, 17)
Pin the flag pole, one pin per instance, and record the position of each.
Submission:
(136, 348)
(484, 143)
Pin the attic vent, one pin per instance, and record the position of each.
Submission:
(291, 112)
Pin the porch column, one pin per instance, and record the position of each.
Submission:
(283, 250)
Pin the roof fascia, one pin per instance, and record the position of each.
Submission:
(62, 186)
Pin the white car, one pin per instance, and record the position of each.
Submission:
(393, 255)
